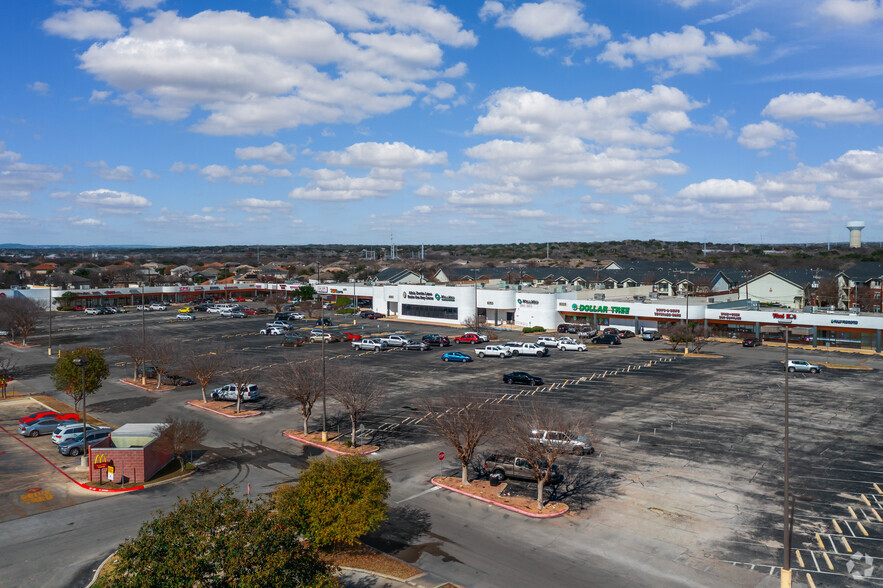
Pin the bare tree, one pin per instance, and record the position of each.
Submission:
(242, 375)
(21, 315)
(523, 432)
(7, 371)
(478, 325)
(463, 423)
(162, 356)
(178, 436)
(203, 367)
(277, 301)
(131, 344)
(302, 383)
(700, 336)
(677, 333)
(357, 391)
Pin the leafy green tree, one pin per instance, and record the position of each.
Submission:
(213, 539)
(68, 377)
(305, 292)
(336, 500)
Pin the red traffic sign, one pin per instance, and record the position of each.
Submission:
(441, 455)
(101, 465)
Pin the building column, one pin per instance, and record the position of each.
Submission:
(637, 326)
(757, 330)
(815, 336)
(879, 341)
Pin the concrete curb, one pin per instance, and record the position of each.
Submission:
(98, 570)
(229, 416)
(526, 513)
(147, 388)
(325, 448)
(65, 474)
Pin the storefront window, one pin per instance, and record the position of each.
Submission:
(844, 339)
(439, 312)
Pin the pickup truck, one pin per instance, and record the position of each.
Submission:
(370, 344)
(494, 351)
(516, 467)
(519, 348)
(395, 340)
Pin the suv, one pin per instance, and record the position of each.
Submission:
(436, 340)
(547, 341)
(606, 340)
(66, 432)
(752, 341)
(650, 335)
(508, 466)
(800, 365)
(575, 443)
(468, 338)
(323, 321)
(228, 392)
(75, 446)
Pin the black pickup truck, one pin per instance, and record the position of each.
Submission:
(516, 467)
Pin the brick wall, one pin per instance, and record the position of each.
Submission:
(137, 464)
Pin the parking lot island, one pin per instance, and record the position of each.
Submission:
(315, 439)
(224, 409)
(483, 491)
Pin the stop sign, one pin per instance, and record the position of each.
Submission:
(441, 455)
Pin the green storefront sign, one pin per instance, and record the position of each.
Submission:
(600, 309)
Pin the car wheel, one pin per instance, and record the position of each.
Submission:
(539, 353)
(578, 451)
(446, 358)
(75, 451)
(507, 380)
(790, 369)
(481, 355)
(813, 371)
(34, 433)
(500, 474)
(514, 354)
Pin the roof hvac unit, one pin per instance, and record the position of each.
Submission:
(654, 295)
(812, 309)
(854, 310)
(753, 305)
(600, 296)
(710, 300)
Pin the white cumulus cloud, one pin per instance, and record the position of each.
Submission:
(111, 201)
(719, 189)
(41, 88)
(120, 173)
(546, 20)
(336, 185)
(391, 155)
(764, 135)
(687, 52)
(275, 152)
(89, 222)
(852, 11)
(816, 106)
(259, 206)
(82, 24)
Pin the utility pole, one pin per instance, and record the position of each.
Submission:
(322, 326)
(143, 340)
(50, 317)
(786, 561)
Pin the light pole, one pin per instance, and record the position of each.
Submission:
(143, 340)
(81, 362)
(322, 326)
(786, 563)
(50, 319)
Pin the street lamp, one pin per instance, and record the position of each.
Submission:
(50, 318)
(81, 362)
(143, 339)
(322, 326)
(786, 563)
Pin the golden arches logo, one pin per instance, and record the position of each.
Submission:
(100, 458)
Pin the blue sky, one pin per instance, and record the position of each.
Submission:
(346, 121)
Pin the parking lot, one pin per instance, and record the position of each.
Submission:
(690, 448)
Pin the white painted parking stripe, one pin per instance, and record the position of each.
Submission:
(833, 546)
(815, 561)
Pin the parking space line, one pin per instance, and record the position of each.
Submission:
(877, 488)
(815, 561)
(834, 547)
(848, 527)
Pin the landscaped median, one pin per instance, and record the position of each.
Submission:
(483, 491)
(332, 444)
(147, 387)
(223, 408)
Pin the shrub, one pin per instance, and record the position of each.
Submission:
(346, 311)
(533, 330)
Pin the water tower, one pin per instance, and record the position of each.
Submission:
(855, 233)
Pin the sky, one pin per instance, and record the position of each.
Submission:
(175, 123)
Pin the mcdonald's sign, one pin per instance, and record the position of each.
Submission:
(100, 461)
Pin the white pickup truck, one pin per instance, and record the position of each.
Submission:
(522, 348)
(395, 340)
(370, 344)
(494, 351)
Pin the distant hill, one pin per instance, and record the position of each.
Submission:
(23, 246)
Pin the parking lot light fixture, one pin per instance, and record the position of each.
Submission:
(786, 562)
(81, 362)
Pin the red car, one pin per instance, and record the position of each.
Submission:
(250, 311)
(468, 338)
(34, 416)
(351, 336)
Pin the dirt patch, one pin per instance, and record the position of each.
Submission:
(332, 444)
(362, 557)
(147, 386)
(843, 366)
(483, 489)
(223, 407)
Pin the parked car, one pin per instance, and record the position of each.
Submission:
(752, 341)
(625, 333)
(570, 345)
(280, 324)
(44, 426)
(411, 345)
(348, 336)
(610, 331)
(323, 321)
(92, 311)
(293, 340)
(76, 446)
(228, 392)
(547, 341)
(249, 311)
(587, 333)
(565, 328)
(297, 316)
(272, 331)
(800, 365)
(370, 344)
(606, 340)
(494, 351)
(328, 336)
(456, 356)
(574, 443)
(522, 378)
(510, 466)
(519, 348)
(40, 414)
(177, 380)
(394, 340)
(185, 309)
(436, 340)
(468, 338)
(481, 338)
(158, 306)
(282, 316)
(234, 313)
(370, 314)
(185, 317)
(651, 335)
(65, 432)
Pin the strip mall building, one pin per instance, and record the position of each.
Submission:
(726, 315)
